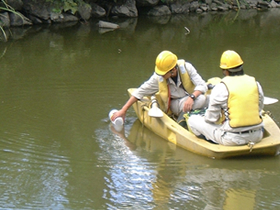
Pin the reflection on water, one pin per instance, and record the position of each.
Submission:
(150, 173)
(57, 85)
(24, 160)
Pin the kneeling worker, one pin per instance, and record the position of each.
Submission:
(177, 84)
(233, 116)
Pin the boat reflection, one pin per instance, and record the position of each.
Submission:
(181, 178)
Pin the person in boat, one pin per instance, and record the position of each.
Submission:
(176, 84)
(233, 116)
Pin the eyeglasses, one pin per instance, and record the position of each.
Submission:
(171, 71)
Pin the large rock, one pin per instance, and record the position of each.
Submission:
(127, 10)
(16, 4)
(41, 10)
(19, 19)
(97, 11)
(179, 8)
(147, 2)
(48, 11)
(194, 6)
(274, 4)
(63, 18)
(4, 20)
(159, 11)
(84, 11)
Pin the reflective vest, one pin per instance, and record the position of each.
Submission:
(164, 95)
(243, 101)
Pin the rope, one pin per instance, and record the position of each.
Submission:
(251, 145)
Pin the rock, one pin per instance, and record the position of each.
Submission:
(222, 8)
(179, 8)
(62, 18)
(5, 20)
(159, 11)
(127, 10)
(194, 6)
(213, 7)
(104, 24)
(147, 2)
(48, 11)
(84, 11)
(45, 12)
(204, 8)
(273, 4)
(15, 4)
(218, 2)
(263, 5)
(34, 19)
(19, 19)
(97, 11)
(39, 10)
(198, 10)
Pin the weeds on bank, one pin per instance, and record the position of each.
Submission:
(65, 5)
(7, 8)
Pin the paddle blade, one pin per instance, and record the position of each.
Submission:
(268, 100)
(155, 112)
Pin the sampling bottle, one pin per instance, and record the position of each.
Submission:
(118, 121)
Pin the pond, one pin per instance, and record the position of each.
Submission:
(58, 84)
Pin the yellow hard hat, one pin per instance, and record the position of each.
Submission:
(165, 61)
(230, 59)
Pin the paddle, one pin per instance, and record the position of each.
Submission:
(155, 111)
(268, 100)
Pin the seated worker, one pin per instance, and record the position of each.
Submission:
(177, 83)
(233, 116)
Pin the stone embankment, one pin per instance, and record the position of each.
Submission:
(29, 12)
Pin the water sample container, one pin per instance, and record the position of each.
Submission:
(118, 121)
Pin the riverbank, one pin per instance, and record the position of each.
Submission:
(18, 13)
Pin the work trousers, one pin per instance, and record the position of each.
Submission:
(177, 105)
(214, 133)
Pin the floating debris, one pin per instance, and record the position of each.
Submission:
(188, 30)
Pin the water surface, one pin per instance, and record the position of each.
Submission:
(58, 84)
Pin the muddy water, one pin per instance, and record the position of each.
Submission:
(58, 84)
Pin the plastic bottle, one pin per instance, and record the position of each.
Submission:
(118, 121)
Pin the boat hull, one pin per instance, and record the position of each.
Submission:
(171, 131)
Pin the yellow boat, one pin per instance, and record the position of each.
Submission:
(170, 130)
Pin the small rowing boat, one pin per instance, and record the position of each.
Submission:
(168, 128)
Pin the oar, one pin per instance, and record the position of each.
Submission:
(268, 100)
